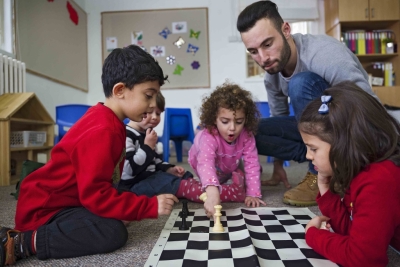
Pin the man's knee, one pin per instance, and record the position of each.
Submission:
(305, 84)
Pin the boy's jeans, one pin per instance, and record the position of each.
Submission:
(279, 137)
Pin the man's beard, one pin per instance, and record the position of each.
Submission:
(283, 59)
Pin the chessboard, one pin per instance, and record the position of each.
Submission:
(252, 237)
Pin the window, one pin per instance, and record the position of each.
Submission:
(7, 39)
(253, 70)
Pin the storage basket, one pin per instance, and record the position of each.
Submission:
(27, 138)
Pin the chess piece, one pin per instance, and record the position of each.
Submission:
(203, 197)
(184, 215)
(217, 223)
(185, 207)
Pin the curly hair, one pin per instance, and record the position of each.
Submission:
(233, 97)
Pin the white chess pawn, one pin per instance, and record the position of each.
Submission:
(203, 197)
(217, 223)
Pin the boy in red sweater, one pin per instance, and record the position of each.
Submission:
(69, 207)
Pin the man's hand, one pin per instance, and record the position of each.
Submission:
(166, 203)
(253, 202)
(177, 171)
(319, 223)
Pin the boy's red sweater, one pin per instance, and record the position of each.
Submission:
(79, 174)
(373, 201)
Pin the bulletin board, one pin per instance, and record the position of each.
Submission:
(51, 38)
(177, 38)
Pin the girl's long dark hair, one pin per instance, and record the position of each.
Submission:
(358, 128)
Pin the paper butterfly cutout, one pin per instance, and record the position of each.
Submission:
(194, 34)
(192, 49)
(164, 33)
(178, 70)
(179, 42)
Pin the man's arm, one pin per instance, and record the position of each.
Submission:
(336, 63)
(277, 101)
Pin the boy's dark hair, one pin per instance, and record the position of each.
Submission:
(160, 102)
(256, 11)
(358, 128)
(232, 97)
(130, 65)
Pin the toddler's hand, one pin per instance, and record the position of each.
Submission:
(317, 222)
(253, 202)
(165, 203)
(177, 171)
(151, 138)
(213, 199)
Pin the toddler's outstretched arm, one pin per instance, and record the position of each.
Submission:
(213, 199)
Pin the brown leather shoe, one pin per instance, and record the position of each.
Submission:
(11, 246)
(304, 193)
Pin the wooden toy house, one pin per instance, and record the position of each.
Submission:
(26, 132)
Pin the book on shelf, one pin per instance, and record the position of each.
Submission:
(381, 74)
(362, 42)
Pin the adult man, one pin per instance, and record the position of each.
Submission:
(300, 67)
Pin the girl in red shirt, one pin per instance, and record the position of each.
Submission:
(354, 145)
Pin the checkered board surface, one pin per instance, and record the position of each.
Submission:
(252, 237)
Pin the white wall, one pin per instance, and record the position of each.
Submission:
(227, 59)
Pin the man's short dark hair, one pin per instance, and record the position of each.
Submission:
(130, 65)
(256, 11)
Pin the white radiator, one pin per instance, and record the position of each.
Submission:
(12, 75)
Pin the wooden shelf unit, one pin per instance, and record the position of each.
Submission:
(21, 112)
(369, 15)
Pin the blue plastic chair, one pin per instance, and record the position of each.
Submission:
(178, 126)
(66, 116)
(263, 107)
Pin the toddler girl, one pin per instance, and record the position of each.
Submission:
(229, 119)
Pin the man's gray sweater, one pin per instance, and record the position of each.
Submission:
(320, 54)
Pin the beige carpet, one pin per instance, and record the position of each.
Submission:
(144, 234)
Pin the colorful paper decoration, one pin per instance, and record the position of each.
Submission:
(111, 43)
(179, 27)
(194, 34)
(192, 49)
(179, 42)
(73, 15)
(157, 51)
(137, 38)
(170, 60)
(165, 32)
(195, 65)
(178, 70)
